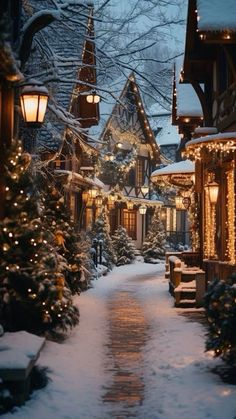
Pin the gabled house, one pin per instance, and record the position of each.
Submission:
(63, 58)
(129, 153)
(210, 61)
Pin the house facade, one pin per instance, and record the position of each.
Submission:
(63, 57)
(210, 66)
(128, 155)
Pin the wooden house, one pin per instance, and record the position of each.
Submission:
(210, 66)
(64, 58)
(129, 153)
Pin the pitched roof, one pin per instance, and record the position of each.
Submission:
(110, 110)
(56, 58)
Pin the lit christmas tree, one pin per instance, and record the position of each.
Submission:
(100, 232)
(56, 218)
(33, 293)
(154, 244)
(123, 247)
(220, 304)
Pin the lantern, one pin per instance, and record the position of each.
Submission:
(93, 98)
(119, 145)
(179, 203)
(112, 197)
(145, 189)
(92, 193)
(213, 191)
(130, 205)
(186, 201)
(98, 200)
(142, 209)
(85, 196)
(109, 156)
(34, 100)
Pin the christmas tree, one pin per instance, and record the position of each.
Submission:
(100, 232)
(123, 247)
(33, 293)
(220, 304)
(56, 218)
(154, 244)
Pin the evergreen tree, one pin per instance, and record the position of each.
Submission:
(33, 293)
(154, 244)
(100, 232)
(56, 218)
(220, 304)
(123, 247)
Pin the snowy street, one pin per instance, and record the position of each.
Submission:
(132, 355)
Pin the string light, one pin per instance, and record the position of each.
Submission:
(230, 211)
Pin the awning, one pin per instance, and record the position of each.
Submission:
(177, 174)
(223, 142)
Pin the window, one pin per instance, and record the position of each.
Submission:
(140, 172)
(129, 222)
(113, 221)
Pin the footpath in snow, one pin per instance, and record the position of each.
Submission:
(132, 355)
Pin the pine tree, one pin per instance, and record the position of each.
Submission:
(100, 232)
(220, 304)
(33, 293)
(123, 247)
(154, 244)
(56, 217)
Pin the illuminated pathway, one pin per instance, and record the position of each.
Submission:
(128, 333)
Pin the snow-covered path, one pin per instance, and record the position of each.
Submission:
(173, 372)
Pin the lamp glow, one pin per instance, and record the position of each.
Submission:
(34, 100)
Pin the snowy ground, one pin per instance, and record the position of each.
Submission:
(176, 370)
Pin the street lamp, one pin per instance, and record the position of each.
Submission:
(93, 98)
(130, 205)
(179, 203)
(34, 99)
(213, 191)
(142, 210)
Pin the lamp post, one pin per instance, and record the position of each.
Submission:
(145, 189)
(142, 211)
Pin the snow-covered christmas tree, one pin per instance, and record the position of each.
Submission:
(33, 292)
(56, 217)
(154, 244)
(100, 232)
(123, 247)
(220, 304)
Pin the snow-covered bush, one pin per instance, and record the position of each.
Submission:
(123, 247)
(100, 232)
(220, 304)
(154, 244)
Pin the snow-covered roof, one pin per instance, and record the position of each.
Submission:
(188, 103)
(220, 137)
(184, 166)
(160, 121)
(55, 58)
(216, 15)
(84, 180)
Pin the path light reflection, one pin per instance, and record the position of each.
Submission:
(128, 335)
